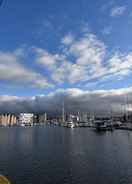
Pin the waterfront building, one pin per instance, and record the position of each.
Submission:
(43, 118)
(12, 119)
(8, 119)
(26, 118)
(83, 117)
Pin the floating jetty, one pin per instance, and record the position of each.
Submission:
(4, 180)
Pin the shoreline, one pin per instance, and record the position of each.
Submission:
(123, 127)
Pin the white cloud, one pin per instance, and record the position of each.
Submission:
(60, 75)
(118, 11)
(46, 59)
(88, 50)
(86, 59)
(68, 39)
(120, 64)
(69, 72)
(12, 71)
(88, 53)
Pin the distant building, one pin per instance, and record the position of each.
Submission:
(36, 119)
(83, 117)
(26, 118)
(13, 119)
(8, 119)
(43, 118)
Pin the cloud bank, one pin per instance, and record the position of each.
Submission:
(76, 100)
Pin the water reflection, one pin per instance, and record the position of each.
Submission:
(60, 155)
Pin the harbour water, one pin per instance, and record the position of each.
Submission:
(57, 155)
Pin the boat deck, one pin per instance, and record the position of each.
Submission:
(4, 180)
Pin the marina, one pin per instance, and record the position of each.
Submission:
(100, 124)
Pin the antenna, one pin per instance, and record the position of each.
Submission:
(126, 107)
(63, 111)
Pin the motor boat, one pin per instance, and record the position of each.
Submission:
(70, 124)
(103, 125)
(100, 125)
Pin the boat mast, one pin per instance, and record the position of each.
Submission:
(126, 105)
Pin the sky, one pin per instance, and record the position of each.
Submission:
(59, 47)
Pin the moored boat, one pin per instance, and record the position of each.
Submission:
(70, 124)
(102, 125)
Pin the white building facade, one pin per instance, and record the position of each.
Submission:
(26, 118)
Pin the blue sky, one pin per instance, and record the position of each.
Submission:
(48, 45)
